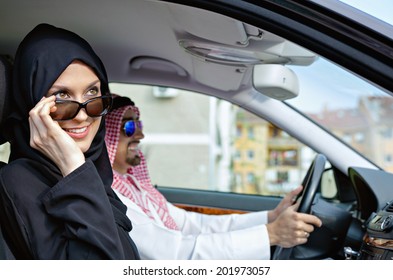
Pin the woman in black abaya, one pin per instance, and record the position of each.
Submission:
(56, 189)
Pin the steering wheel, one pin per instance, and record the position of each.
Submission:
(310, 186)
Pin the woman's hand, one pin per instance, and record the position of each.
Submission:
(49, 138)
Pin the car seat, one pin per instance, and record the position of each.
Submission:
(5, 87)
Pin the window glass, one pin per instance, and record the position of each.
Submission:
(200, 142)
(352, 109)
(380, 9)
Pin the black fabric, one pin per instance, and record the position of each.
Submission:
(5, 251)
(48, 216)
(5, 89)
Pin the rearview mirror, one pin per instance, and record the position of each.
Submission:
(275, 81)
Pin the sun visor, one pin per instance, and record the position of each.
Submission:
(209, 26)
(230, 75)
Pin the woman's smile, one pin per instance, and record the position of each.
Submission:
(79, 132)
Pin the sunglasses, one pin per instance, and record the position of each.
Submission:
(130, 127)
(94, 107)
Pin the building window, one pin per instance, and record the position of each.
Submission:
(282, 177)
(250, 154)
(290, 157)
(275, 132)
(239, 131)
(251, 132)
(283, 158)
(251, 178)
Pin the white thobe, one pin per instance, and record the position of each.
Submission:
(200, 236)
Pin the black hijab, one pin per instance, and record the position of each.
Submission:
(40, 59)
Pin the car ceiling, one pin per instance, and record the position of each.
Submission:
(130, 42)
(121, 31)
(136, 31)
(107, 34)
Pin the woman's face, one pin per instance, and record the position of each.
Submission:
(79, 83)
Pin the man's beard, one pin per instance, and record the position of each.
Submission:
(134, 161)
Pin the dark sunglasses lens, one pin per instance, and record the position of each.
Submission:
(129, 128)
(95, 107)
(66, 110)
(99, 106)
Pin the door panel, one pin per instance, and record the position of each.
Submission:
(211, 201)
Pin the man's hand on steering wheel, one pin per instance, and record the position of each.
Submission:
(295, 227)
(287, 201)
(292, 228)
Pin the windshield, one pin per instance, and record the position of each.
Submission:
(352, 109)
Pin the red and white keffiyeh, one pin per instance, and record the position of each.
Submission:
(136, 184)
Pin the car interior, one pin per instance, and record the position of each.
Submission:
(242, 53)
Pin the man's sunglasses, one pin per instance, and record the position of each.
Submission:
(94, 107)
(130, 127)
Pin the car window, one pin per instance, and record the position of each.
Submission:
(352, 109)
(200, 142)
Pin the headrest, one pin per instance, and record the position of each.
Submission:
(5, 88)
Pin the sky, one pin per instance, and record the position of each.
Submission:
(324, 85)
(381, 9)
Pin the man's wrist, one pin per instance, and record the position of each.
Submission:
(272, 237)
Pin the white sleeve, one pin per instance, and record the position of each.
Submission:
(155, 241)
(193, 223)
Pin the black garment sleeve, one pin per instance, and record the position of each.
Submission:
(71, 220)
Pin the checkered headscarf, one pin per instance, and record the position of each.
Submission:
(136, 184)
